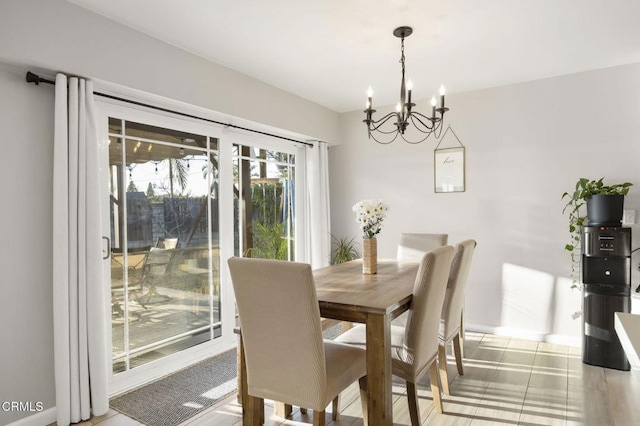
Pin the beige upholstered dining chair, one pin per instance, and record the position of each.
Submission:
(285, 356)
(414, 348)
(451, 322)
(414, 246)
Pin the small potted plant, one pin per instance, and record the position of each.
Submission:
(605, 206)
(343, 250)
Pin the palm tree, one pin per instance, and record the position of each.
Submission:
(177, 172)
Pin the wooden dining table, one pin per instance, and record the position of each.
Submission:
(345, 293)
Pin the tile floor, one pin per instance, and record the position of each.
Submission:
(507, 381)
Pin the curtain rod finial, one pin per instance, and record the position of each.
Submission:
(32, 78)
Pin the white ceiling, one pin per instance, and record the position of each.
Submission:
(330, 51)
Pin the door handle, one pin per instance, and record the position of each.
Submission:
(106, 256)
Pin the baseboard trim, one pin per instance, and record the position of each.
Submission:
(45, 417)
(559, 339)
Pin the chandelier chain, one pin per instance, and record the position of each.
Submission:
(402, 55)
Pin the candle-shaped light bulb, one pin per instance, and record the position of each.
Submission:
(369, 92)
(369, 97)
(398, 107)
(433, 106)
(442, 90)
(409, 89)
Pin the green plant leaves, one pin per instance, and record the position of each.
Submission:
(584, 188)
(343, 250)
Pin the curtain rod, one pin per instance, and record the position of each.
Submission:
(35, 79)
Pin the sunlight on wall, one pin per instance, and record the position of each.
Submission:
(527, 299)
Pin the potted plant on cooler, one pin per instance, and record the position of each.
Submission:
(605, 206)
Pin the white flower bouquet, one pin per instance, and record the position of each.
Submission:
(370, 214)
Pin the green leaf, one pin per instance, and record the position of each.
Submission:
(568, 247)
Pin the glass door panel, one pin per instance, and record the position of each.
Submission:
(264, 191)
(165, 280)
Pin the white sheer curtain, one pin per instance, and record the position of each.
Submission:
(318, 223)
(80, 347)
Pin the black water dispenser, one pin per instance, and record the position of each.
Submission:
(606, 278)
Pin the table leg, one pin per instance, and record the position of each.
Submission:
(379, 370)
(249, 403)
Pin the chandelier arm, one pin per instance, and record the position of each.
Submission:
(437, 119)
(429, 127)
(427, 134)
(379, 123)
(438, 131)
(385, 143)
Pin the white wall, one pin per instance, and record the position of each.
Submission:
(525, 145)
(60, 36)
(26, 298)
(54, 35)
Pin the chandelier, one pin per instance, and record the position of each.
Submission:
(404, 113)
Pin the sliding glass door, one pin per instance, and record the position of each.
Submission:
(166, 306)
(183, 196)
(163, 214)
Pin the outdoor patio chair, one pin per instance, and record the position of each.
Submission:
(136, 263)
(156, 269)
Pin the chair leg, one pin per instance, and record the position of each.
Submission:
(461, 333)
(281, 409)
(457, 351)
(243, 394)
(303, 410)
(364, 396)
(241, 373)
(442, 365)
(262, 413)
(318, 418)
(335, 406)
(435, 388)
(412, 399)
(252, 411)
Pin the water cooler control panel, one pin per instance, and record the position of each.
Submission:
(606, 241)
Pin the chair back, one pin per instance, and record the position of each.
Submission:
(423, 322)
(454, 300)
(166, 243)
(281, 331)
(158, 262)
(414, 246)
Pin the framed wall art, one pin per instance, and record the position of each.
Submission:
(449, 166)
